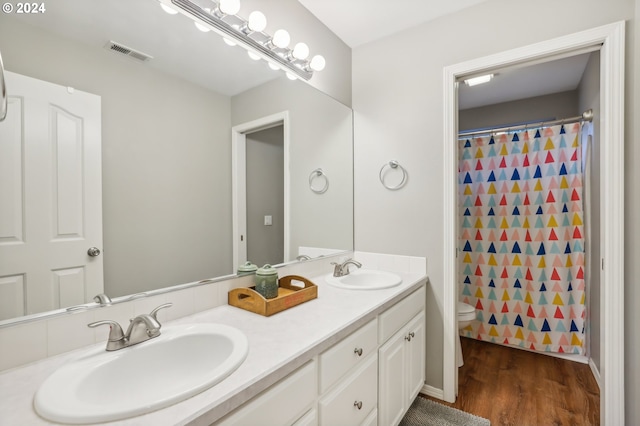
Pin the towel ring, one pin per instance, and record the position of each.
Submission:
(317, 173)
(393, 164)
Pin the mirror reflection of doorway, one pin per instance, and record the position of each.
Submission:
(265, 196)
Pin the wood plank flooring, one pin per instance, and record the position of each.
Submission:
(510, 386)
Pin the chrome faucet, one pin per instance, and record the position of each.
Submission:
(102, 299)
(342, 269)
(141, 328)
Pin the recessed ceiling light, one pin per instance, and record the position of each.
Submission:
(478, 80)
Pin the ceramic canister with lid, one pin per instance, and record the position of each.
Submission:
(247, 268)
(266, 281)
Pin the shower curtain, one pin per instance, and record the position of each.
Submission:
(522, 257)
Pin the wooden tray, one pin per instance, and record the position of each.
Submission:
(288, 296)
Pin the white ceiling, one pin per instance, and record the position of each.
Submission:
(358, 22)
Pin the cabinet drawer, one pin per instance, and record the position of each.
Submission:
(309, 419)
(360, 388)
(398, 315)
(281, 404)
(351, 351)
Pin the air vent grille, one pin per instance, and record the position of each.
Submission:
(127, 51)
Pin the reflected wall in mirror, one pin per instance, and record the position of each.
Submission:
(166, 146)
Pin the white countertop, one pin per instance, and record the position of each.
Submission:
(277, 346)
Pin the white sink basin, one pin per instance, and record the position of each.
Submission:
(365, 279)
(104, 386)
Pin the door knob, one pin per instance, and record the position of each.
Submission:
(93, 252)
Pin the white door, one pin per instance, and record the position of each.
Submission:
(51, 197)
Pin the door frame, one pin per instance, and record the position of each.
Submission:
(611, 38)
(239, 181)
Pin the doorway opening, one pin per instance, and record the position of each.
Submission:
(507, 125)
(265, 196)
(260, 190)
(610, 38)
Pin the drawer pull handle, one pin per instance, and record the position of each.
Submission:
(358, 351)
(409, 336)
(358, 404)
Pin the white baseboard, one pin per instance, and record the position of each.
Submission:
(596, 372)
(433, 392)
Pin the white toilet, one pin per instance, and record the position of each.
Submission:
(466, 314)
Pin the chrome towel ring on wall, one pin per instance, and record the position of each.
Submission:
(318, 173)
(393, 165)
(3, 93)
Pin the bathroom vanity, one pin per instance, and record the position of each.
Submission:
(357, 357)
(370, 377)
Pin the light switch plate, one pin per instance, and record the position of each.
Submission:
(268, 220)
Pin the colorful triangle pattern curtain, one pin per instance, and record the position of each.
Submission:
(522, 261)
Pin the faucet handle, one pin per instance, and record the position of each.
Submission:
(116, 331)
(154, 313)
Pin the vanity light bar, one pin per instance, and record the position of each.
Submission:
(256, 41)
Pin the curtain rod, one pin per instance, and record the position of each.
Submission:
(586, 116)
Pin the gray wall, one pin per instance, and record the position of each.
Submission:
(162, 142)
(589, 98)
(265, 196)
(321, 136)
(556, 105)
(397, 98)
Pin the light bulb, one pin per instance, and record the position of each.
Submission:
(301, 51)
(229, 7)
(169, 10)
(201, 26)
(257, 21)
(291, 76)
(281, 39)
(274, 66)
(317, 63)
(253, 55)
(229, 42)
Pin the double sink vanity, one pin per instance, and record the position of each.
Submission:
(355, 355)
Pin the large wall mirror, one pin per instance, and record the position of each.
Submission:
(163, 172)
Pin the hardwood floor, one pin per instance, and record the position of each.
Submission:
(509, 386)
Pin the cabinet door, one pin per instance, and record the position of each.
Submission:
(415, 357)
(392, 394)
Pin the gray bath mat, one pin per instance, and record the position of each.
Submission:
(424, 412)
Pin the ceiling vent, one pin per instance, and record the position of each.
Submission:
(127, 51)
